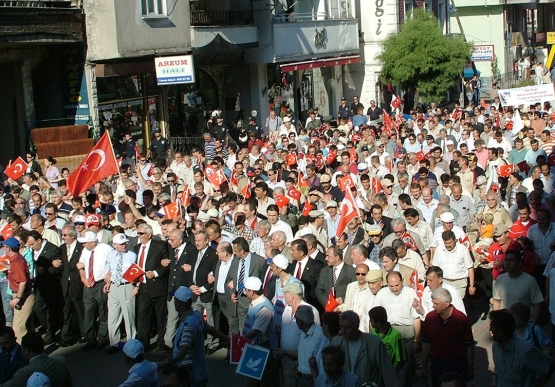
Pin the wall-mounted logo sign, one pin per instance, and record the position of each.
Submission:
(320, 37)
(379, 13)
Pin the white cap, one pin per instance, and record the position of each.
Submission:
(449, 142)
(213, 213)
(119, 239)
(133, 348)
(331, 203)
(340, 146)
(281, 261)
(38, 379)
(88, 237)
(343, 140)
(203, 216)
(362, 166)
(447, 217)
(80, 219)
(253, 283)
(286, 119)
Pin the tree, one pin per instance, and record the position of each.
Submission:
(423, 60)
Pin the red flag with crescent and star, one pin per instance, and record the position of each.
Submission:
(133, 273)
(376, 185)
(294, 193)
(348, 212)
(237, 345)
(345, 183)
(16, 169)
(416, 284)
(99, 164)
(186, 196)
(302, 181)
(332, 302)
(7, 231)
(172, 210)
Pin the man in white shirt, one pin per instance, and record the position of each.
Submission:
(434, 280)
(359, 298)
(277, 224)
(427, 205)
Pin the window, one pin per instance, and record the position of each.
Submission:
(153, 8)
(408, 10)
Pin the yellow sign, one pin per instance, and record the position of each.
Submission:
(551, 38)
(550, 59)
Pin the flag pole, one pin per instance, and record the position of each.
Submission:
(113, 154)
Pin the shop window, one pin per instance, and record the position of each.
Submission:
(153, 8)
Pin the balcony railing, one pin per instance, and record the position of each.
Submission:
(221, 18)
(41, 3)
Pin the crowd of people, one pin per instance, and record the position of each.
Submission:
(450, 206)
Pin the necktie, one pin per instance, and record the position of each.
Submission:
(299, 270)
(119, 268)
(68, 251)
(174, 194)
(241, 277)
(177, 254)
(267, 281)
(334, 276)
(91, 270)
(142, 262)
(197, 263)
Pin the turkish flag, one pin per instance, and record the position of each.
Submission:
(523, 166)
(282, 201)
(456, 114)
(99, 164)
(332, 303)
(291, 159)
(7, 231)
(302, 181)
(138, 154)
(390, 166)
(234, 179)
(388, 124)
(294, 193)
(506, 170)
(345, 183)
(395, 101)
(246, 191)
(237, 345)
(410, 242)
(16, 169)
(416, 285)
(307, 208)
(353, 155)
(420, 155)
(186, 196)
(216, 177)
(376, 185)
(331, 157)
(172, 210)
(356, 137)
(320, 164)
(399, 119)
(133, 273)
(466, 241)
(348, 212)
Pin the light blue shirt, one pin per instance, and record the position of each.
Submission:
(129, 258)
(311, 344)
(531, 156)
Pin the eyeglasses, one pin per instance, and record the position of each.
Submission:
(141, 233)
(19, 202)
(389, 186)
(359, 274)
(171, 181)
(64, 235)
(217, 190)
(50, 213)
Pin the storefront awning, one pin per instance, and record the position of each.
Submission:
(314, 64)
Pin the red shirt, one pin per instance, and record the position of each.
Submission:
(520, 230)
(496, 253)
(19, 272)
(449, 338)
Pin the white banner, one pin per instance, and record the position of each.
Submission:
(527, 96)
(174, 70)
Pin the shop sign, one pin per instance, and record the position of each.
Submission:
(483, 53)
(74, 89)
(551, 38)
(174, 70)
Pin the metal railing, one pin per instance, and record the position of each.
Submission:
(221, 18)
(41, 3)
(186, 144)
(300, 17)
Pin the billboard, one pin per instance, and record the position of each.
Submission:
(174, 70)
(527, 96)
(483, 53)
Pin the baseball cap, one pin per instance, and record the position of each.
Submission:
(481, 180)
(80, 219)
(500, 229)
(449, 142)
(289, 111)
(386, 182)
(88, 237)
(325, 178)
(203, 216)
(293, 287)
(253, 283)
(286, 119)
(343, 99)
(120, 239)
(362, 166)
(133, 348)
(374, 275)
(250, 171)
(157, 130)
(11, 242)
(251, 118)
(374, 229)
(213, 213)
(38, 379)
(315, 213)
(447, 217)
(92, 219)
(364, 148)
(331, 203)
(281, 261)
(183, 294)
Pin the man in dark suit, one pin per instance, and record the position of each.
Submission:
(172, 188)
(48, 290)
(180, 250)
(11, 357)
(377, 217)
(152, 286)
(314, 249)
(72, 287)
(307, 270)
(336, 275)
(246, 265)
(342, 242)
(222, 293)
(197, 270)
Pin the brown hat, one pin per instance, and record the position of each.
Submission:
(374, 276)
(500, 229)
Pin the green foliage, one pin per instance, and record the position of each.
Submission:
(422, 59)
(495, 72)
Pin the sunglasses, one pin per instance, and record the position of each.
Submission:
(19, 202)
(141, 233)
(359, 274)
(171, 181)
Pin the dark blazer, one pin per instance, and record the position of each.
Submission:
(207, 265)
(176, 277)
(309, 278)
(157, 251)
(271, 291)
(18, 361)
(359, 237)
(257, 269)
(325, 282)
(217, 275)
(70, 279)
(385, 223)
(47, 279)
(321, 257)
